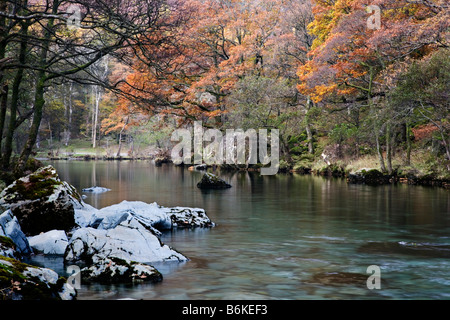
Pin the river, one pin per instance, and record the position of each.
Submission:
(281, 237)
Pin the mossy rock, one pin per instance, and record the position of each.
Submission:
(331, 171)
(7, 242)
(369, 177)
(20, 281)
(41, 202)
(210, 181)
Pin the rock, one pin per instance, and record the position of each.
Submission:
(19, 281)
(115, 270)
(8, 248)
(152, 216)
(339, 278)
(9, 227)
(41, 202)
(369, 176)
(210, 181)
(200, 167)
(96, 190)
(50, 243)
(149, 215)
(129, 240)
(188, 217)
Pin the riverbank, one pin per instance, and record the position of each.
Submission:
(366, 169)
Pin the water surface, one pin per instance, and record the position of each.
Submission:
(277, 236)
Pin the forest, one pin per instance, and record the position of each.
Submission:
(115, 77)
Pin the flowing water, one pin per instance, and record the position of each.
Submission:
(282, 237)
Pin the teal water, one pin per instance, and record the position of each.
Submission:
(277, 236)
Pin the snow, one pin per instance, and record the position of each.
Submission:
(10, 227)
(128, 241)
(53, 242)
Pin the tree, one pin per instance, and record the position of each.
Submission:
(56, 51)
(425, 89)
(349, 62)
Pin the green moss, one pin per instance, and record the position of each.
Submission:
(7, 242)
(31, 288)
(19, 266)
(39, 185)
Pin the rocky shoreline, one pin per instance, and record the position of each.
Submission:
(366, 176)
(40, 214)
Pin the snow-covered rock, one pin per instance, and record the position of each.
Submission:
(152, 216)
(183, 217)
(96, 190)
(114, 270)
(10, 227)
(129, 240)
(52, 243)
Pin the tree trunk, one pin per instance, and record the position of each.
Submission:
(3, 107)
(389, 148)
(408, 144)
(97, 97)
(120, 136)
(379, 151)
(39, 100)
(3, 88)
(15, 100)
(309, 133)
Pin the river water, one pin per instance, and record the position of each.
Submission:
(281, 237)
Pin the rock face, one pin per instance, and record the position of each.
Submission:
(114, 270)
(210, 181)
(19, 281)
(129, 241)
(50, 243)
(41, 202)
(10, 227)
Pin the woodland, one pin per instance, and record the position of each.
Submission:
(114, 77)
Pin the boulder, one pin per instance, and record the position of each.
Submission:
(182, 217)
(41, 202)
(210, 181)
(8, 248)
(368, 176)
(10, 227)
(20, 281)
(148, 215)
(129, 240)
(50, 243)
(115, 270)
(96, 190)
(154, 217)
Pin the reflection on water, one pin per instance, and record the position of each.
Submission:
(277, 233)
